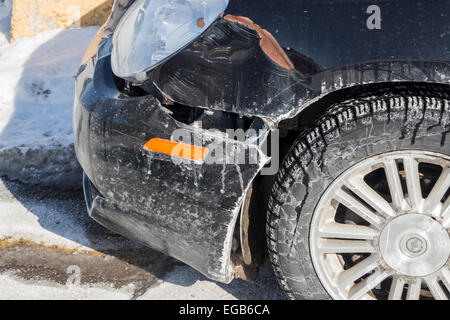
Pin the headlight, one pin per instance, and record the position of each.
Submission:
(153, 30)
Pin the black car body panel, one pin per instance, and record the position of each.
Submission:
(189, 210)
(329, 44)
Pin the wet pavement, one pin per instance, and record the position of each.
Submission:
(51, 249)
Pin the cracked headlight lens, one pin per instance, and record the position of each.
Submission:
(153, 30)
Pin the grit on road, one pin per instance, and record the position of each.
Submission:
(51, 249)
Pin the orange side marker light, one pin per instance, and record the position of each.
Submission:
(176, 149)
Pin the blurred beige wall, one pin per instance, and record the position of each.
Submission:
(30, 17)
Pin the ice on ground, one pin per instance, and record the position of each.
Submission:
(36, 99)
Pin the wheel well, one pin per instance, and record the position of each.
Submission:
(311, 112)
(290, 129)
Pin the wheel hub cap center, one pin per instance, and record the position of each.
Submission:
(415, 245)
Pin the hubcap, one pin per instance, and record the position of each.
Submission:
(414, 245)
(381, 229)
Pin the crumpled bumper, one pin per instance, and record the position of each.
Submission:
(187, 210)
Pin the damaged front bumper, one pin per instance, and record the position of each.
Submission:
(185, 209)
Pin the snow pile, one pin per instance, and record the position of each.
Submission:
(36, 99)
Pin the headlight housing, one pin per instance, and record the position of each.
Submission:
(153, 30)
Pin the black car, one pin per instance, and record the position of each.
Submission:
(315, 132)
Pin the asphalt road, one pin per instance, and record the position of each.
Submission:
(51, 249)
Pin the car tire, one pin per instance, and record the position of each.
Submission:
(396, 123)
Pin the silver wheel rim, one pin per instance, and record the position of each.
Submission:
(381, 229)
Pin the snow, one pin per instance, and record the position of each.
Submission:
(36, 99)
(46, 216)
(185, 283)
(14, 288)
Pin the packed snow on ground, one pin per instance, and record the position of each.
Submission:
(36, 100)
